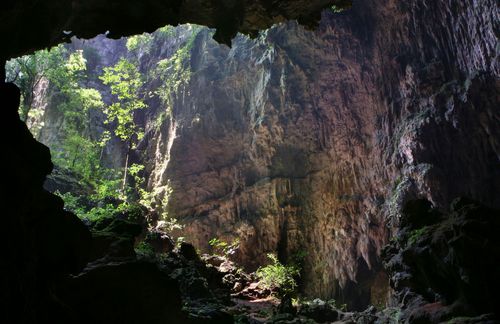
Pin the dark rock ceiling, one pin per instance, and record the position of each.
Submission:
(29, 25)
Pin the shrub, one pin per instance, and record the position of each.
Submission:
(145, 250)
(222, 248)
(416, 235)
(278, 277)
(71, 203)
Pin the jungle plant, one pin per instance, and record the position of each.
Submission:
(28, 71)
(125, 82)
(175, 71)
(415, 235)
(144, 249)
(223, 248)
(74, 204)
(280, 278)
(138, 42)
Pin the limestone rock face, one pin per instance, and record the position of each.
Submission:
(312, 141)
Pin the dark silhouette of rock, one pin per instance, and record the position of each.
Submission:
(160, 242)
(447, 267)
(129, 292)
(188, 251)
(43, 242)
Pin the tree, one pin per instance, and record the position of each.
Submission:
(28, 71)
(125, 82)
(64, 72)
(78, 149)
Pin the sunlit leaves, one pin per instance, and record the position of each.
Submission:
(90, 98)
(175, 71)
(28, 71)
(76, 62)
(278, 277)
(140, 43)
(125, 83)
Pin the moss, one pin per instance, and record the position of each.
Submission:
(144, 249)
(416, 235)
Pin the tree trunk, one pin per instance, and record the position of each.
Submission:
(101, 154)
(75, 157)
(126, 170)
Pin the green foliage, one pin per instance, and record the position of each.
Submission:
(34, 120)
(81, 143)
(308, 302)
(163, 204)
(76, 149)
(125, 82)
(144, 249)
(299, 257)
(108, 187)
(223, 248)
(74, 204)
(28, 72)
(342, 6)
(140, 43)
(175, 72)
(146, 198)
(78, 154)
(179, 241)
(99, 212)
(415, 235)
(170, 225)
(393, 315)
(165, 32)
(279, 277)
(79, 147)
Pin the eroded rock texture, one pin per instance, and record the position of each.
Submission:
(444, 265)
(312, 141)
(29, 25)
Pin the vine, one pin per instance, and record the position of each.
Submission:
(175, 72)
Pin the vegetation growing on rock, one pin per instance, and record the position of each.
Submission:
(92, 115)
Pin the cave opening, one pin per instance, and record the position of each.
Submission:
(299, 175)
(128, 120)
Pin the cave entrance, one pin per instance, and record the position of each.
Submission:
(96, 103)
(178, 133)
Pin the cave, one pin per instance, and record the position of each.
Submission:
(250, 161)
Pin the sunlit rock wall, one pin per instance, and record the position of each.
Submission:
(311, 141)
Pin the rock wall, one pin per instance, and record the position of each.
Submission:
(274, 150)
(312, 141)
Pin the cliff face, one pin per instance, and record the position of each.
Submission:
(302, 141)
(312, 141)
(274, 147)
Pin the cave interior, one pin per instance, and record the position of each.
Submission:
(259, 161)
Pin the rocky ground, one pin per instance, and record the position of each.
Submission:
(431, 262)
(442, 265)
